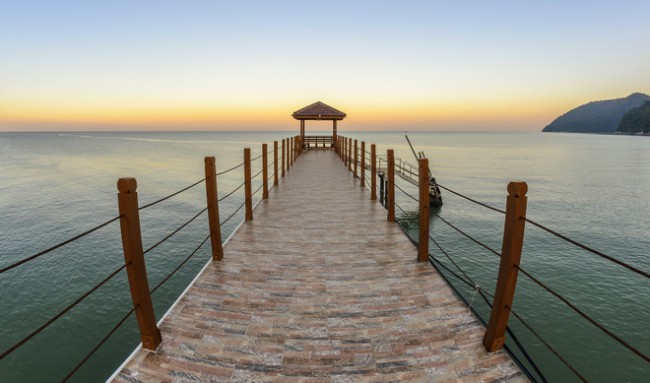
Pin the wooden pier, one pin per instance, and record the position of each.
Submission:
(320, 287)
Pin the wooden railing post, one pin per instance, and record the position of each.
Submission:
(283, 144)
(350, 154)
(363, 163)
(265, 172)
(248, 190)
(356, 157)
(275, 163)
(213, 208)
(423, 243)
(391, 185)
(292, 151)
(136, 270)
(288, 154)
(513, 241)
(373, 172)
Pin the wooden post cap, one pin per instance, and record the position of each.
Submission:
(127, 185)
(517, 189)
(209, 160)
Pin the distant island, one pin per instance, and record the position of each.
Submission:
(605, 116)
(636, 120)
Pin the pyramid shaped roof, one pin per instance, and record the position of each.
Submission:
(318, 111)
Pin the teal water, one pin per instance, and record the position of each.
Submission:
(589, 187)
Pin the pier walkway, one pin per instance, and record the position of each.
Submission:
(320, 287)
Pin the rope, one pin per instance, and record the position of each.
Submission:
(469, 236)
(231, 215)
(584, 315)
(473, 285)
(257, 158)
(101, 342)
(175, 231)
(179, 266)
(232, 192)
(258, 173)
(16, 264)
(170, 196)
(258, 190)
(545, 343)
(473, 200)
(402, 190)
(589, 249)
(61, 313)
(231, 169)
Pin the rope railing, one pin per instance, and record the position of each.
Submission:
(49, 249)
(472, 200)
(585, 315)
(101, 343)
(233, 214)
(406, 193)
(60, 313)
(258, 189)
(179, 266)
(488, 248)
(589, 249)
(548, 346)
(232, 192)
(130, 225)
(175, 231)
(231, 169)
(171, 195)
(469, 281)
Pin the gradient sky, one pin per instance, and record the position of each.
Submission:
(403, 65)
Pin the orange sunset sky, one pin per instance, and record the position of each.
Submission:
(206, 65)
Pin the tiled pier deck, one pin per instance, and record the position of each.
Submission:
(319, 287)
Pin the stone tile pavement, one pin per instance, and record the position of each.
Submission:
(319, 287)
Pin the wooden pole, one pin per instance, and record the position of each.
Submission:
(136, 270)
(275, 163)
(356, 157)
(287, 145)
(373, 172)
(213, 208)
(391, 185)
(247, 184)
(423, 243)
(350, 154)
(265, 172)
(283, 144)
(513, 241)
(292, 152)
(363, 163)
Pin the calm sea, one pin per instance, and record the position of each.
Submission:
(591, 188)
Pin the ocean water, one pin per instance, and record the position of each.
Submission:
(591, 188)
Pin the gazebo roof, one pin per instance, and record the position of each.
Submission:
(318, 111)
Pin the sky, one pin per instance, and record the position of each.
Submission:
(247, 65)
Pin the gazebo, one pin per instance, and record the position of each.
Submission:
(318, 111)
